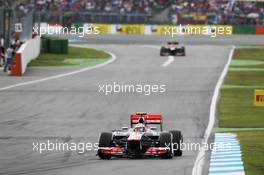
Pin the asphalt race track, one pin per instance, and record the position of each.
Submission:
(70, 109)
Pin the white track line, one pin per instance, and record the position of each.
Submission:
(151, 46)
(60, 75)
(168, 62)
(199, 162)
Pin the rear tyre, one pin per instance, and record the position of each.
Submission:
(105, 140)
(177, 140)
(165, 140)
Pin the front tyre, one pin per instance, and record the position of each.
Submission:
(165, 140)
(105, 140)
(164, 52)
(183, 51)
(177, 140)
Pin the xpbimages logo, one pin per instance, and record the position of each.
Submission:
(60, 30)
(84, 147)
(56, 145)
(146, 89)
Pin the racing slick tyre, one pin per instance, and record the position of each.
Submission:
(177, 140)
(105, 140)
(165, 140)
(183, 51)
(163, 51)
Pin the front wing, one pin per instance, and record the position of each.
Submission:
(122, 152)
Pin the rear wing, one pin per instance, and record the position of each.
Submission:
(173, 42)
(149, 119)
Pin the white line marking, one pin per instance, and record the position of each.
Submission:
(168, 62)
(227, 153)
(226, 160)
(229, 135)
(60, 75)
(199, 162)
(225, 140)
(227, 168)
(227, 163)
(223, 156)
(233, 147)
(230, 173)
(224, 137)
(151, 46)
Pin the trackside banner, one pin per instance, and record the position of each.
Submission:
(259, 97)
(140, 29)
(130, 29)
(170, 30)
(103, 28)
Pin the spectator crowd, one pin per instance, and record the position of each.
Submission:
(218, 11)
(120, 6)
(180, 11)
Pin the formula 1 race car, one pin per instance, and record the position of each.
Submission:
(141, 139)
(172, 49)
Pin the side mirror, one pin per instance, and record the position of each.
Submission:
(125, 128)
(153, 128)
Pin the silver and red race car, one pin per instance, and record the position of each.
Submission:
(172, 49)
(142, 139)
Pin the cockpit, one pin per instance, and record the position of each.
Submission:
(140, 129)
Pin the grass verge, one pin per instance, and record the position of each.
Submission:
(76, 57)
(236, 107)
(237, 112)
(252, 144)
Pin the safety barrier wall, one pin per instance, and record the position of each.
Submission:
(127, 29)
(28, 51)
(244, 29)
(260, 30)
(161, 29)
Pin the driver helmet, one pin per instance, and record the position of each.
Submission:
(141, 120)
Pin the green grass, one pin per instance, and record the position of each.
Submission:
(250, 78)
(252, 144)
(76, 57)
(249, 54)
(236, 107)
(237, 112)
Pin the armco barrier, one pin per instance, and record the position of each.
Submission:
(128, 29)
(104, 28)
(141, 29)
(28, 51)
(244, 29)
